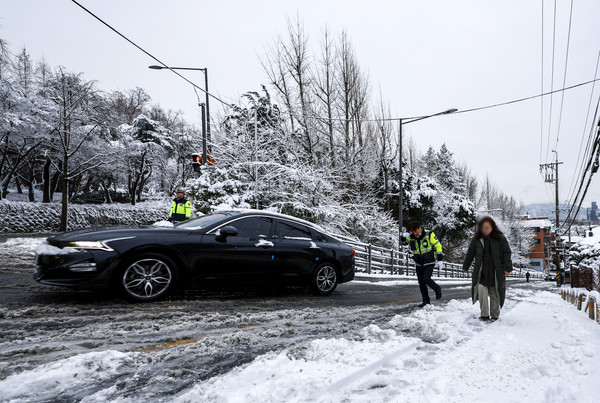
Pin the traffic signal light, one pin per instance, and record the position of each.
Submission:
(196, 161)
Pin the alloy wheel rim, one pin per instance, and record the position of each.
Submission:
(147, 278)
(326, 278)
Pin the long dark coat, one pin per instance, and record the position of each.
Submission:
(501, 256)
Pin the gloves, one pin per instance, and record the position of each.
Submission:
(439, 264)
(406, 235)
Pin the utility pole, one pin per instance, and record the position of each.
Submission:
(550, 173)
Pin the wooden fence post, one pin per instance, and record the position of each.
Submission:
(592, 308)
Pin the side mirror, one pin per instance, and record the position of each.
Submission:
(225, 232)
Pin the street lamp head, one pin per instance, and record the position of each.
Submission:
(449, 111)
(155, 67)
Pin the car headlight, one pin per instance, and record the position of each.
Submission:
(96, 245)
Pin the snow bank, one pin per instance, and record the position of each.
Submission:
(438, 354)
(47, 382)
(45, 217)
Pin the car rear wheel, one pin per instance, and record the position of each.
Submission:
(324, 279)
(147, 278)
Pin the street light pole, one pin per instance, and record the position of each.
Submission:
(400, 187)
(203, 109)
(256, 156)
(401, 123)
(207, 105)
(207, 96)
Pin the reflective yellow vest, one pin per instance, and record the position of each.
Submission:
(181, 210)
(426, 249)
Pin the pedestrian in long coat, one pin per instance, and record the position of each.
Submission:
(490, 251)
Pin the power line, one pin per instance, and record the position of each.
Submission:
(542, 89)
(551, 82)
(460, 111)
(588, 168)
(514, 101)
(474, 109)
(587, 117)
(562, 98)
(148, 53)
(587, 152)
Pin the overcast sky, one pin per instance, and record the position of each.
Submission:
(426, 56)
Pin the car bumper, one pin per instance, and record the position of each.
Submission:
(347, 274)
(80, 269)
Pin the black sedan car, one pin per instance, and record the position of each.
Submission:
(242, 246)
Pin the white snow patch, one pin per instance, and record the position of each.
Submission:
(163, 223)
(264, 243)
(48, 381)
(28, 244)
(437, 354)
(46, 249)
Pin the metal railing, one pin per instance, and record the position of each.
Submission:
(376, 259)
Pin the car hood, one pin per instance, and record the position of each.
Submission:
(105, 233)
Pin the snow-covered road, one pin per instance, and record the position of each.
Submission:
(542, 350)
(367, 343)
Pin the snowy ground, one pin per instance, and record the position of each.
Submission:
(542, 350)
(294, 347)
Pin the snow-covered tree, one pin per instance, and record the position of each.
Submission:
(147, 142)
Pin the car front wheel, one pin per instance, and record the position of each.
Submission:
(324, 279)
(147, 278)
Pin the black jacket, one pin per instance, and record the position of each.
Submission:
(502, 258)
(426, 240)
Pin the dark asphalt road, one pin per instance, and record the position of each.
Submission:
(18, 288)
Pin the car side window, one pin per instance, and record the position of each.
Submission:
(289, 230)
(253, 227)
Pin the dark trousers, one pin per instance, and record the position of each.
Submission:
(424, 274)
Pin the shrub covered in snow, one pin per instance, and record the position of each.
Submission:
(585, 253)
(44, 217)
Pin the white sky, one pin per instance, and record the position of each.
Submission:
(426, 56)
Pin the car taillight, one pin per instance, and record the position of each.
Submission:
(353, 252)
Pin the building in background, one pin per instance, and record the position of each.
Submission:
(542, 249)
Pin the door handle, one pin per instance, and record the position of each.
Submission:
(263, 243)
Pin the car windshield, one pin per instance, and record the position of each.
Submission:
(204, 221)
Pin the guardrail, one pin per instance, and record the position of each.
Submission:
(376, 259)
(583, 300)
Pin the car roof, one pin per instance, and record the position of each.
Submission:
(272, 214)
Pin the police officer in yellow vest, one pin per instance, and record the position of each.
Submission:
(181, 209)
(427, 254)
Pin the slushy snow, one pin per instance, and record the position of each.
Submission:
(541, 350)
